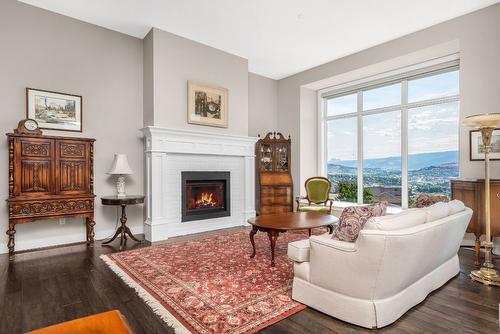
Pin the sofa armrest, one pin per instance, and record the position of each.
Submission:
(326, 240)
(299, 251)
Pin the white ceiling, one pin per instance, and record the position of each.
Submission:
(278, 37)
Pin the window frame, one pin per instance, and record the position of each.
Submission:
(403, 78)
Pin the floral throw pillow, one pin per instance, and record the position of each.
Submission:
(353, 219)
(424, 200)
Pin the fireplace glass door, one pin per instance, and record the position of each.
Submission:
(205, 195)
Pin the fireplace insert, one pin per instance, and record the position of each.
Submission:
(205, 195)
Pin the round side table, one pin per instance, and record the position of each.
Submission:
(122, 230)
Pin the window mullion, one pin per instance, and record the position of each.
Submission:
(360, 146)
(404, 145)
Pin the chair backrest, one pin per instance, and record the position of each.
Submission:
(318, 189)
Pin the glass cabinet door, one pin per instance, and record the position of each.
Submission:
(266, 157)
(282, 157)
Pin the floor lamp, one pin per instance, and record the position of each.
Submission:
(486, 123)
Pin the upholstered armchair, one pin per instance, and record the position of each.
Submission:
(318, 197)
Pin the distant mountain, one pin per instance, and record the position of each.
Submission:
(415, 161)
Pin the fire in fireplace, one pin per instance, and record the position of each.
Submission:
(205, 195)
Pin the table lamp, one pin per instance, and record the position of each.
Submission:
(120, 167)
(486, 123)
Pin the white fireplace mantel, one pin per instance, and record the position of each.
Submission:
(168, 152)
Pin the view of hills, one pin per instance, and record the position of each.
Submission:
(428, 173)
(415, 161)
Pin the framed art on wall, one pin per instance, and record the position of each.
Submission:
(53, 110)
(476, 145)
(207, 105)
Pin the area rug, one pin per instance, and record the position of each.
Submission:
(211, 285)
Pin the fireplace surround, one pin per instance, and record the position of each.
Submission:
(205, 195)
(169, 152)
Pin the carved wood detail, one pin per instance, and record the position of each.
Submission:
(35, 176)
(72, 176)
(91, 166)
(49, 207)
(70, 150)
(30, 149)
(11, 167)
(49, 177)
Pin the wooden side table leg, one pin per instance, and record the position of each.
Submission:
(477, 248)
(252, 234)
(118, 232)
(123, 220)
(11, 232)
(273, 236)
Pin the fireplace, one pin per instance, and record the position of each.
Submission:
(205, 195)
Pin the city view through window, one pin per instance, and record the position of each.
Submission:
(371, 128)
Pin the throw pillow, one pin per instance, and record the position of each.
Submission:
(424, 200)
(405, 219)
(437, 211)
(353, 219)
(456, 206)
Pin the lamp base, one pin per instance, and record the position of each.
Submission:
(120, 186)
(487, 276)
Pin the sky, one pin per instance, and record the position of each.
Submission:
(430, 128)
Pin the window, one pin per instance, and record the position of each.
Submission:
(394, 140)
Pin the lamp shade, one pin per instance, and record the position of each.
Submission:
(483, 120)
(120, 165)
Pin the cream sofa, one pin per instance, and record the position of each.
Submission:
(375, 280)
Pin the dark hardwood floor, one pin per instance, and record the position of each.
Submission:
(50, 286)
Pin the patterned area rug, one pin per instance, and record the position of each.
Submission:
(211, 285)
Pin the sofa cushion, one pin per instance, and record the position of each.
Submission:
(353, 219)
(455, 206)
(298, 251)
(437, 211)
(314, 208)
(405, 219)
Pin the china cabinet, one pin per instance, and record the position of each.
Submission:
(274, 179)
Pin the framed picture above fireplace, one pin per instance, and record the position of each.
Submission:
(207, 105)
(205, 195)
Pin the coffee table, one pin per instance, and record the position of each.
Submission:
(273, 225)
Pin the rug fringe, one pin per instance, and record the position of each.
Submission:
(156, 306)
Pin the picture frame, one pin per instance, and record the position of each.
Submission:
(207, 105)
(476, 142)
(54, 110)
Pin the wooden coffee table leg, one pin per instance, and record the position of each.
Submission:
(273, 236)
(252, 234)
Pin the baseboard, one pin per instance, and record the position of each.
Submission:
(63, 239)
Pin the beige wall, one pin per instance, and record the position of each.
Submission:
(262, 105)
(113, 72)
(48, 51)
(177, 60)
(478, 35)
(148, 79)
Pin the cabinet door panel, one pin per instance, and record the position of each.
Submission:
(73, 170)
(33, 167)
(35, 176)
(72, 176)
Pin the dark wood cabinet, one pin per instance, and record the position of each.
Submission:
(471, 192)
(49, 177)
(274, 179)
